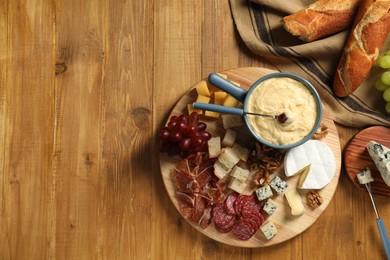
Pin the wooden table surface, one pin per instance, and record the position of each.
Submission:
(84, 88)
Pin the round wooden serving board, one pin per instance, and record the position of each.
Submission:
(288, 226)
(357, 158)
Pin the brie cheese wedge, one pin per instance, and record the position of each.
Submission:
(322, 163)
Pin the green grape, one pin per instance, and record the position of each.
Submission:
(387, 52)
(386, 95)
(387, 107)
(386, 77)
(384, 61)
(379, 85)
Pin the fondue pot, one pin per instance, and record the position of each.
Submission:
(243, 95)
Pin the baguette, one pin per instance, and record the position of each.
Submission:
(321, 18)
(369, 32)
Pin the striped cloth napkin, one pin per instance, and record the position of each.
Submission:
(259, 25)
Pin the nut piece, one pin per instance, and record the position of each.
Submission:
(314, 199)
(321, 132)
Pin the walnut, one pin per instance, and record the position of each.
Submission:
(261, 176)
(321, 132)
(314, 199)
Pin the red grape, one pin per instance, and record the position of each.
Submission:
(204, 135)
(182, 127)
(173, 118)
(196, 141)
(193, 119)
(185, 144)
(164, 134)
(175, 136)
(201, 126)
(192, 130)
(184, 135)
(172, 125)
(183, 118)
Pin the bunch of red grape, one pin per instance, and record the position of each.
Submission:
(383, 84)
(184, 135)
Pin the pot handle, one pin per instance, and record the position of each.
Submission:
(228, 86)
(219, 108)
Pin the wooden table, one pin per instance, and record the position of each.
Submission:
(84, 88)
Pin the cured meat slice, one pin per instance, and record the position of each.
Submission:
(205, 220)
(229, 203)
(184, 182)
(242, 202)
(198, 209)
(223, 221)
(243, 230)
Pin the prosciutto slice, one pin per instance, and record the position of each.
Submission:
(197, 188)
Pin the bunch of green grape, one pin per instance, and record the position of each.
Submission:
(383, 84)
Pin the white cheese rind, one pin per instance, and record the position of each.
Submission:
(381, 156)
(321, 159)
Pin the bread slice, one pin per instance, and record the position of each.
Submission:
(321, 18)
(370, 30)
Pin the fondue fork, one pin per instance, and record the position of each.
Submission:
(381, 225)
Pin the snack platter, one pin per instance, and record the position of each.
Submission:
(288, 226)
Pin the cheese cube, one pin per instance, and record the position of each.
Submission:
(228, 158)
(364, 176)
(230, 138)
(269, 230)
(242, 152)
(219, 97)
(222, 75)
(264, 192)
(240, 173)
(278, 184)
(202, 89)
(214, 146)
(237, 185)
(212, 114)
(270, 207)
(220, 170)
(203, 99)
(230, 121)
(381, 156)
(191, 109)
(230, 101)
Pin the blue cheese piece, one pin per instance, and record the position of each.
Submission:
(270, 207)
(278, 185)
(264, 192)
(381, 156)
(364, 176)
(269, 230)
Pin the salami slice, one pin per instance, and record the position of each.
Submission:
(223, 221)
(242, 230)
(250, 206)
(229, 203)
